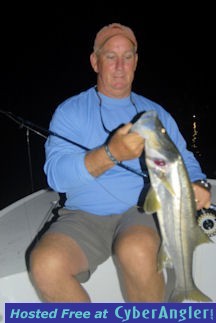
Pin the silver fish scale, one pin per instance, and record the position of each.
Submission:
(172, 197)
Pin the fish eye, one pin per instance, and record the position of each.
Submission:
(159, 162)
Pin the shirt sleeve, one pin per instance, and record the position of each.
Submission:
(64, 157)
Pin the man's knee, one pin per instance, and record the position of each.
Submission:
(57, 255)
(44, 263)
(137, 244)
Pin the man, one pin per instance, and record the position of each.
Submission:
(99, 171)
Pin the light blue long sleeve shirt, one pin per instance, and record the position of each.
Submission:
(79, 120)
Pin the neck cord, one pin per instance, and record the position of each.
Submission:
(143, 173)
(100, 109)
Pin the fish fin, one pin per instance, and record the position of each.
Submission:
(164, 259)
(152, 203)
(167, 185)
(179, 296)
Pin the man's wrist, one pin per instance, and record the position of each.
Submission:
(110, 155)
(203, 183)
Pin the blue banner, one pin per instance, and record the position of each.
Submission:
(110, 312)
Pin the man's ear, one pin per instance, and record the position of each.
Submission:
(136, 62)
(93, 60)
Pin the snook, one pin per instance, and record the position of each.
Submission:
(171, 196)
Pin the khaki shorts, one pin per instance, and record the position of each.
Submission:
(95, 234)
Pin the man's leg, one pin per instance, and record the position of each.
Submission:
(54, 264)
(136, 251)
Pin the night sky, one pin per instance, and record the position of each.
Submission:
(46, 60)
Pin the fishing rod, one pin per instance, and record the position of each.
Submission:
(40, 130)
(206, 217)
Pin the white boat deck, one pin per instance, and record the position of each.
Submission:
(19, 224)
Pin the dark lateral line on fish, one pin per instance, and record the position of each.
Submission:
(29, 125)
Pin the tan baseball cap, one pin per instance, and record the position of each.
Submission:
(112, 30)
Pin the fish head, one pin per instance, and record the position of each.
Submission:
(159, 148)
(161, 154)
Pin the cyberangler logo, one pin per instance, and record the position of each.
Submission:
(165, 313)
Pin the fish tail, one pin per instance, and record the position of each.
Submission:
(195, 295)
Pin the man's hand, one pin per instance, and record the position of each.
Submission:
(202, 197)
(123, 145)
(126, 145)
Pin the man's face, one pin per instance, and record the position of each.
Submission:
(115, 64)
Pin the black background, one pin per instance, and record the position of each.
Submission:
(45, 59)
